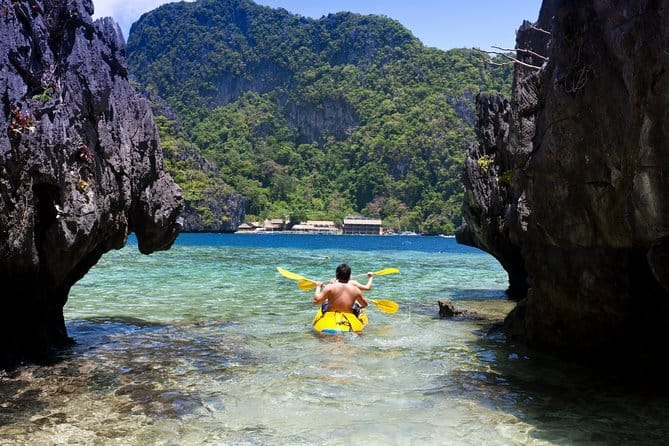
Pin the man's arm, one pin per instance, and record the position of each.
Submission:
(367, 286)
(361, 300)
(320, 294)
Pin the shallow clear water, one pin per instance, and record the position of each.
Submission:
(206, 344)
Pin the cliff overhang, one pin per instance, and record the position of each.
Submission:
(568, 184)
(80, 165)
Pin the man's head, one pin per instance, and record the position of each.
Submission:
(343, 273)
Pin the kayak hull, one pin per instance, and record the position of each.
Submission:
(333, 322)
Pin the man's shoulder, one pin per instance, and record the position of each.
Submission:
(334, 286)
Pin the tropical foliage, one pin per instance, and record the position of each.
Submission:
(315, 118)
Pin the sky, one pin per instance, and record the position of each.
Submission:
(443, 24)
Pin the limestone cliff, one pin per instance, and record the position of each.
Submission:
(217, 207)
(313, 117)
(80, 165)
(568, 184)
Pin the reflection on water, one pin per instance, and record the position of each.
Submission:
(208, 345)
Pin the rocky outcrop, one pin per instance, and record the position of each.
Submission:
(80, 165)
(447, 310)
(488, 192)
(331, 118)
(568, 186)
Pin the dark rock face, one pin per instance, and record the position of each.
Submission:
(488, 191)
(80, 165)
(331, 118)
(575, 199)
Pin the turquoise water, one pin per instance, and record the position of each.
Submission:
(206, 344)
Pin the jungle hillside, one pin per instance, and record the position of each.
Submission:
(309, 118)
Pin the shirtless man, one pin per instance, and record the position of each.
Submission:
(341, 294)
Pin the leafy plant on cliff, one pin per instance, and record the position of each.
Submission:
(316, 118)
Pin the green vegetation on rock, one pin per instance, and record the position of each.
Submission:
(314, 118)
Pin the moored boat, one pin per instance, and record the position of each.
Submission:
(338, 322)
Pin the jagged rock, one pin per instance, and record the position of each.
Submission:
(487, 178)
(447, 309)
(80, 165)
(586, 209)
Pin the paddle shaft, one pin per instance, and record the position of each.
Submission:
(308, 284)
(382, 272)
(386, 306)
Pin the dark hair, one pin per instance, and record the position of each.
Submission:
(343, 273)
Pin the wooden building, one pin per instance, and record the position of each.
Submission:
(316, 227)
(245, 227)
(362, 225)
(274, 224)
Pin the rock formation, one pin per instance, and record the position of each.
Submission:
(80, 165)
(568, 185)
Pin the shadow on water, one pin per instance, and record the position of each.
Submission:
(140, 366)
(565, 402)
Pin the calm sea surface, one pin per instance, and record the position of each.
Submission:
(206, 344)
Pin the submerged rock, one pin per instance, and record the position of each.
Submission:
(447, 310)
(80, 165)
(568, 186)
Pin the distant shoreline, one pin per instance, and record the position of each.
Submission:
(315, 233)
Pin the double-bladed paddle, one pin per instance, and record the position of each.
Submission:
(307, 284)
(386, 306)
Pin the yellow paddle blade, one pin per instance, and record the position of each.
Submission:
(290, 275)
(387, 306)
(385, 271)
(306, 284)
(302, 282)
(381, 272)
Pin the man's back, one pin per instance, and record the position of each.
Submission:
(341, 296)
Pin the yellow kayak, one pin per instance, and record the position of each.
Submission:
(337, 322)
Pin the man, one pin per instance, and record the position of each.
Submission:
(342, 294)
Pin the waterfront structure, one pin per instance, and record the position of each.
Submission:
(362, 225)
(245, 227)
(316, 227)
(274, 224)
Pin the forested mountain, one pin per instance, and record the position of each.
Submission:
(312, 118)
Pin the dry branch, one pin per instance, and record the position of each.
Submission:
(513, 59)
(521, 50)
(536, 28)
